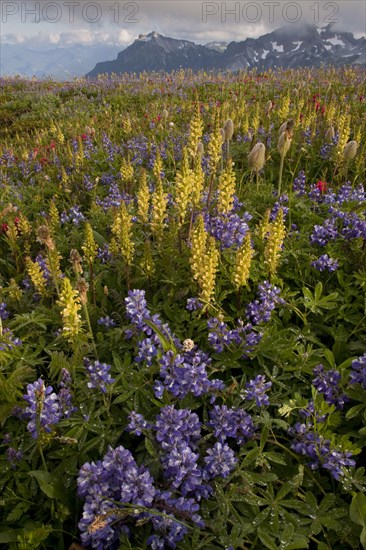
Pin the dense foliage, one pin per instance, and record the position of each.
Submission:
(182, 312)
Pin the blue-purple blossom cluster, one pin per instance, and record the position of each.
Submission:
(65, 394)
(280, 202)
(256, 390)
(105, 486)
(314, 446)
(184, 373)
(299, 183)
(328, 384)
(43, 410)
(106, 322)
(325, 263)
(231, 422)
(220, 336)
(4, 314)
(261, 309)
(74, 215)
(358, 374)
(98, 374)
(229, 229)
(8, 340)
(340, 224)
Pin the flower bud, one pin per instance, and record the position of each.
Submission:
(284, 142)
(200, 148)
(329, 135)
(269, 107)
(256, 157)
(165, 114)
(229, 129)
(350, 150)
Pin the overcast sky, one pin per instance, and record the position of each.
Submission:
(61, 22)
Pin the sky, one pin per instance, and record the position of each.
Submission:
(56, 23)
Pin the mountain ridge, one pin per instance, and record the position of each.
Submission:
(291, 46)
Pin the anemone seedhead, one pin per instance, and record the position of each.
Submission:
(257, 157)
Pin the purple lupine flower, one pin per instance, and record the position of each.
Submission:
(98, 374)
(193, 304)
(176, 425)
(319, 450)
(282, 200)
(310, 412)
(185, 373)
(13, 456)
(116, 478)
(136, 423)
(65, 394)
(4, 314)
(136, 308)
(229, 229)
(322, 234)
(234, 422)
(220, 461)
(358, 376)
(260, 310)
(324, 262)
(106, 322)
(43, 410)
(327, 383)
(147, 350)
(256, 389)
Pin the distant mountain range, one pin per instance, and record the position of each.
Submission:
(288, 47)
(58, 62)
(292, 46)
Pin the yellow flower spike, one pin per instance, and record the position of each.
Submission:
(35, 273)
(344, 131)
(24, 228)
(159, 206)
(199, 180)
(284, 109)
(70, 304)
(79, 155)
(90, 247)
(243, 260)
(14, 290)
(122, 231)
(264, 226)
(147, 262)
(226, 188)
(207, 279)
(143, 199)
(184, 182)
(198, 247)
(126, 171)
(214, 148)
(158, 166)
(54, 218)
(195, 132)
(274, 244)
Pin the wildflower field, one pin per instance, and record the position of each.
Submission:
(182, 312)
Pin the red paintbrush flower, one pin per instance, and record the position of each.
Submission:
(322, 186)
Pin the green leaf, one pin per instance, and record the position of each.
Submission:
(268, 541)
(11, 535)
(264, 436)
(318, 291)
(355, 411)
(357, 510)
(48, 484)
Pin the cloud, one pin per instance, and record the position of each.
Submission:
(196, 20)
(69, 38)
